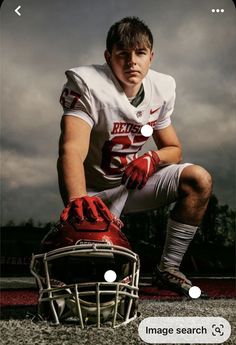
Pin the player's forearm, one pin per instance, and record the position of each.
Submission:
(170, 154)
(71, 176)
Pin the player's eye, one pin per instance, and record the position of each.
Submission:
(123, 53)
(141, 52)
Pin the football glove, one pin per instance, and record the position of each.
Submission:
(87, 207)
(140, 169)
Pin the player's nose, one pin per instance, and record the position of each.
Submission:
(132, 58)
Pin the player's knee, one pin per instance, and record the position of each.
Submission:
(196, 179)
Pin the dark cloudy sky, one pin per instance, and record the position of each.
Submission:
(194, 45)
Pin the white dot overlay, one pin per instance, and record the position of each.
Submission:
(146, 130)
(194, 292)
(217, 10)
(110, 276)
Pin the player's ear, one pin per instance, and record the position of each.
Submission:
(107, 56)
(151, 56)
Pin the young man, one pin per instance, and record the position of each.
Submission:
(100, 172)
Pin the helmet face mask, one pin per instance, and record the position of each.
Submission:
(71, 279)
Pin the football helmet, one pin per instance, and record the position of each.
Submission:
(70, 269)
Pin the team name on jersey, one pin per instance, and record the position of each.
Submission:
(126, 127)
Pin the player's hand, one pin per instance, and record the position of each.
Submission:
(139, 170)
(87, 207)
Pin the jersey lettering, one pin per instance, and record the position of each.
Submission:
(126, 127)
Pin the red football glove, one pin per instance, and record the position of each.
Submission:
(89, 207)
(139, 170)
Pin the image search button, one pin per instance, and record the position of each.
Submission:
(184, 330)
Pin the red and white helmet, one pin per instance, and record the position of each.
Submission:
(70, 269)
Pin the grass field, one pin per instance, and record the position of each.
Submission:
(16, 329)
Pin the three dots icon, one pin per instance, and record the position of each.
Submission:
(217, 10)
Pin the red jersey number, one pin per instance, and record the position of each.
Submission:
(69, 98)
(114, 152)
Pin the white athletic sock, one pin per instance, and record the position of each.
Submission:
(178, 238)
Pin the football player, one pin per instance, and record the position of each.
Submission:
(100, 170)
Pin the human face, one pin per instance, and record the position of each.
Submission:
(130, 66)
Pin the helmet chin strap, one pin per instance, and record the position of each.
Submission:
(61, 301)
(90, 313)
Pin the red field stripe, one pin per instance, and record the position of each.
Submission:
(217, 287)
(18, 297)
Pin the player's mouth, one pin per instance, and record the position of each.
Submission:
(132, 72)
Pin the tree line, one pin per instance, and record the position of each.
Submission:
(217, 226)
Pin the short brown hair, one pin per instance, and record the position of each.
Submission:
(129, 32)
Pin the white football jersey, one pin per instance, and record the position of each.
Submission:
(93, 94)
